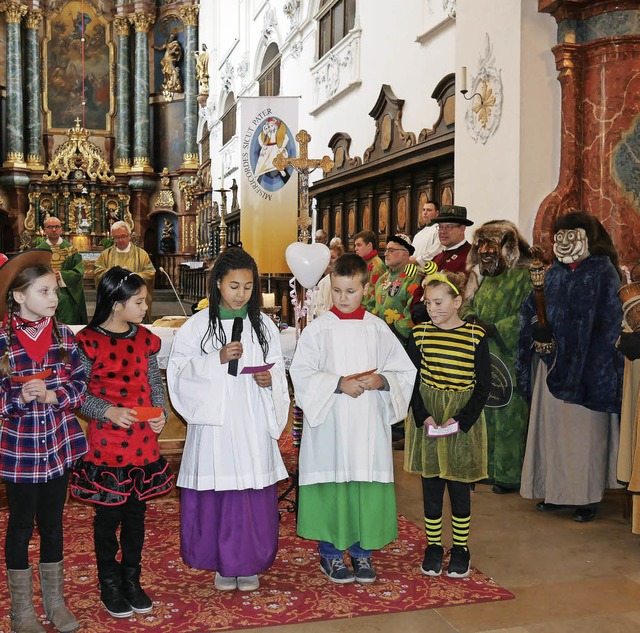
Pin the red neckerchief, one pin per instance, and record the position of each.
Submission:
(371, 255)
(358, 313)
(34, 336)
(574, 265)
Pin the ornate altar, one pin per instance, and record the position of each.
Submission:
(80, 191)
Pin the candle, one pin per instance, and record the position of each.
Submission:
(314, 221)
(463, 79)
(268, 300)
(221, 173)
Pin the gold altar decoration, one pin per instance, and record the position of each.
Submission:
(78, 153)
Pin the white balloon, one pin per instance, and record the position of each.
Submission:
(307, 262)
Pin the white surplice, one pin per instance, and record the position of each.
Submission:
(232, 424)
(345, 438)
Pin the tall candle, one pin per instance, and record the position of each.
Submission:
(463, 79)
(268, 300)
(314, 221)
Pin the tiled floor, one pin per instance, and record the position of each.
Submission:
(566, 576)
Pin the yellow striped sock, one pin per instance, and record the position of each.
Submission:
(461, 527)
(433, 528)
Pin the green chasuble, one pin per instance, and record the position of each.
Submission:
(349, 512)
(72, 308)
(497, 302)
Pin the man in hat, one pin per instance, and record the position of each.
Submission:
(451, 222)
(67, 264)
(124, 253)
(395, 287)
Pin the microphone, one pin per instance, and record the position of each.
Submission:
(175, 292)
(236, 335)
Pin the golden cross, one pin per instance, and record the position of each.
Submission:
(77, 121)
(303, 165)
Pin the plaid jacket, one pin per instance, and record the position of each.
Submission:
(39, 441)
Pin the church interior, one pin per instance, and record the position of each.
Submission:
(169, 116)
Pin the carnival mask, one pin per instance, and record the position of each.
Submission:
(491, 262)
(571, 245)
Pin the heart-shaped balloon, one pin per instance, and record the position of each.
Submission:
(307, 262)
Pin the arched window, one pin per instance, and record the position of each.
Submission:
(336, 19)
(229, 118)
(269, 79)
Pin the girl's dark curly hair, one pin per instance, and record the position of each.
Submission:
(600, 242)
(234, 259)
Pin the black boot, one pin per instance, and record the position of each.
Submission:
(112, 596)
(133, 592)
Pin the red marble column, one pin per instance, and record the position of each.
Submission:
(600, 129)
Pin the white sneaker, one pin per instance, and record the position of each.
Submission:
(225, 583)
(248, 583)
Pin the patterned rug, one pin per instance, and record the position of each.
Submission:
(293, 591)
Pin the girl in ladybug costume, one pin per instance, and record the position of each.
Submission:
(123, 467)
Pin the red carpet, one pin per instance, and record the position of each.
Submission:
(293, 591)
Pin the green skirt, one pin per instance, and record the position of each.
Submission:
(459, 457)
(345, 513)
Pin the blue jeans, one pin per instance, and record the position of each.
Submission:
(327, 550)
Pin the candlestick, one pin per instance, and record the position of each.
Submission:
(268, 300)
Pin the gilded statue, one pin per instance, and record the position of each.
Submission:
(202, 69)
(172, 81)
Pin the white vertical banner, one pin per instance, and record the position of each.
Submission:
(268, 196)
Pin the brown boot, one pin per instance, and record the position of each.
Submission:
(52, 582)
(23, 615)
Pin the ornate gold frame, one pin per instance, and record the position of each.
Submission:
(108, 27)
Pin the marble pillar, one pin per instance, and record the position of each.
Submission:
(189, 16)
(598, 59)
(14, 13)
(141, 132)
(32, 89)
(123, 90)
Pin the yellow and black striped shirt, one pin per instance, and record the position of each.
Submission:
(448, 356)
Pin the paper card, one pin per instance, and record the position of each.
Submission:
(257, 369)
(439, 431)
(41, 375)
(364, 373)
(147, 413)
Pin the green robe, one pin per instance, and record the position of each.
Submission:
(394, 291)
(497, 302)
(72, 307)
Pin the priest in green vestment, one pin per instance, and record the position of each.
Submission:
(124, 253)
(67, 264)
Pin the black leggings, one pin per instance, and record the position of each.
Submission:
(433, 497)
(129, 517)
(44, 504)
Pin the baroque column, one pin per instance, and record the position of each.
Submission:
(123, 111)
(32, 86)
(141, 134)
(189, 17)
(15, 118)
(598, 60)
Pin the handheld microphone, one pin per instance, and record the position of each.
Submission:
(175, 292)
(236, 335)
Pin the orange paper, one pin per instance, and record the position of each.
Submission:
(41, 375)
(147, 413)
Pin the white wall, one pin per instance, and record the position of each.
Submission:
(508, 176)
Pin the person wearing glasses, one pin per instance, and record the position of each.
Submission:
(395, 287)
(67, 265)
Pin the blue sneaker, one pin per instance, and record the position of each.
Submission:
(336, 571)
(363, 569)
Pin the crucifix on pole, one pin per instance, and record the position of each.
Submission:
(304, 166)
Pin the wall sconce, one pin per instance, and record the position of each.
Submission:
(463, 86)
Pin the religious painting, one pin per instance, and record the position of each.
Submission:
(383, 220)
(271, 137)
(338, 223)
(352, 222)
(77, 71)
(366, 217)
(447, 195)
(402, 214)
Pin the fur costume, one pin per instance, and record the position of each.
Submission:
(496, 302)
